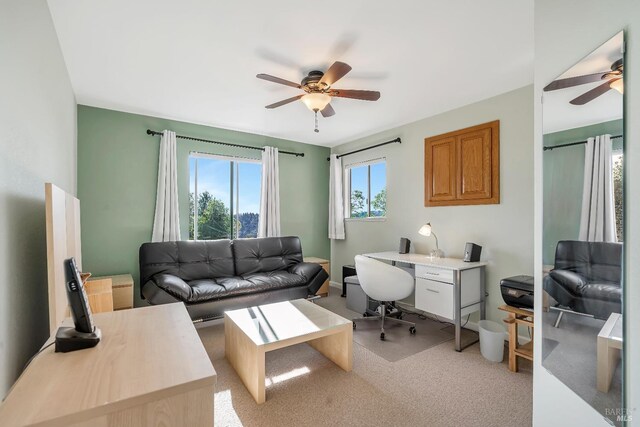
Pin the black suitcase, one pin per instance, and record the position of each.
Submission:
(517, 291)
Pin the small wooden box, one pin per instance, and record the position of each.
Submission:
(121, 289)
(324, 289)
(99, 295)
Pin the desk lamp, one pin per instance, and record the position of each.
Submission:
(425, 230)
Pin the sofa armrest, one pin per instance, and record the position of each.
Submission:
(173, 285)
(570, 281)
(313, 273)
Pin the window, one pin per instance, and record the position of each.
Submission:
(366, 188)
(226, 191)
(618, 194)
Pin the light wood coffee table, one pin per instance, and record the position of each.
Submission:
(251, 332)
(608, 352)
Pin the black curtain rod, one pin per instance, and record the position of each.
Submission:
(570, 144)
(398, 140)
(228, 144)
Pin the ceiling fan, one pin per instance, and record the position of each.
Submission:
(318, 90)
(613, 81)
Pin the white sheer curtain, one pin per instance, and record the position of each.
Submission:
(598, 220)
(166, 223)
(269, 219)
(336, 199)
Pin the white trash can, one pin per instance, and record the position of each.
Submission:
(491, 340)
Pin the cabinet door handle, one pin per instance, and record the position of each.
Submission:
(433, 290)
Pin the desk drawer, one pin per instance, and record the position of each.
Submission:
(434, 273)
(434, 297)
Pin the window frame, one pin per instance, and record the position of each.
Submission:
(347, 188)
(233, 176)
(618, 154)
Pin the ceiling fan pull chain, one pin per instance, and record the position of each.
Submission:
(316, 130)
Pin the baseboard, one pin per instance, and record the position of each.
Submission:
(337, 285)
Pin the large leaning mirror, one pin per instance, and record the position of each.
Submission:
(583, 227)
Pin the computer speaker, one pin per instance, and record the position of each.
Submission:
(405, 245)
(472, 252)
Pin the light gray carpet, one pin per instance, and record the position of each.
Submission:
(569, 353)
(399, 343)
(435, 387)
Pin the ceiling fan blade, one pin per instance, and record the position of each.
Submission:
(337, 71)
(284, 102)
(328, 111)
(573, 81)
(274, 79)
(367, 95)
(593, 93)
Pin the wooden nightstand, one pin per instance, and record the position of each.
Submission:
(121, 289)
(324, 289)
(100, 294)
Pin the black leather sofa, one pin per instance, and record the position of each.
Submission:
(210, 277)
(586, 277)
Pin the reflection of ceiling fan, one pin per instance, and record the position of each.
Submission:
(317, 86)
(614, 82)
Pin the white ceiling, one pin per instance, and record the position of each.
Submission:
(196, 60)
(559, 114)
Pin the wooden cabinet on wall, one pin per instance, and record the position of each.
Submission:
(463, 167)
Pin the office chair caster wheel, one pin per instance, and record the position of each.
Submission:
(381, 336)
(354, 325)
(412, 330)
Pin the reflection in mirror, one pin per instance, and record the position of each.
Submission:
(583, 227)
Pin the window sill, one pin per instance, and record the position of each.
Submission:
(369, 219)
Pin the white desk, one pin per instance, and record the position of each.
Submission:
(447, 287)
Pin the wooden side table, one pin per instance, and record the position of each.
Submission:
(324, 289)
(515, 317)
(121, 289)
(99, 294)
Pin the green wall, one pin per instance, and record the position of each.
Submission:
(563, 181)
(117, 179)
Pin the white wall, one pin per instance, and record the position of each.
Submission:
(503, 230)
(37, 144)
(565, 31)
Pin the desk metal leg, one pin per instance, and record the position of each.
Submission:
(457, 313)
(483, 294)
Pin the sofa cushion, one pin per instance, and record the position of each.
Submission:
(189, 260)
(275, 280)
(205, 290)
(266, 254)
(603, 292)
(226, 287)
(570, 281)
(597, 261)
(173, 285)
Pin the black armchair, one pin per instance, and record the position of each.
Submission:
(586, 277)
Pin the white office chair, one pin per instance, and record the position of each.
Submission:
(384, 283)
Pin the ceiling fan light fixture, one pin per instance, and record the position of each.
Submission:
(617, 85)
(316, 101)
